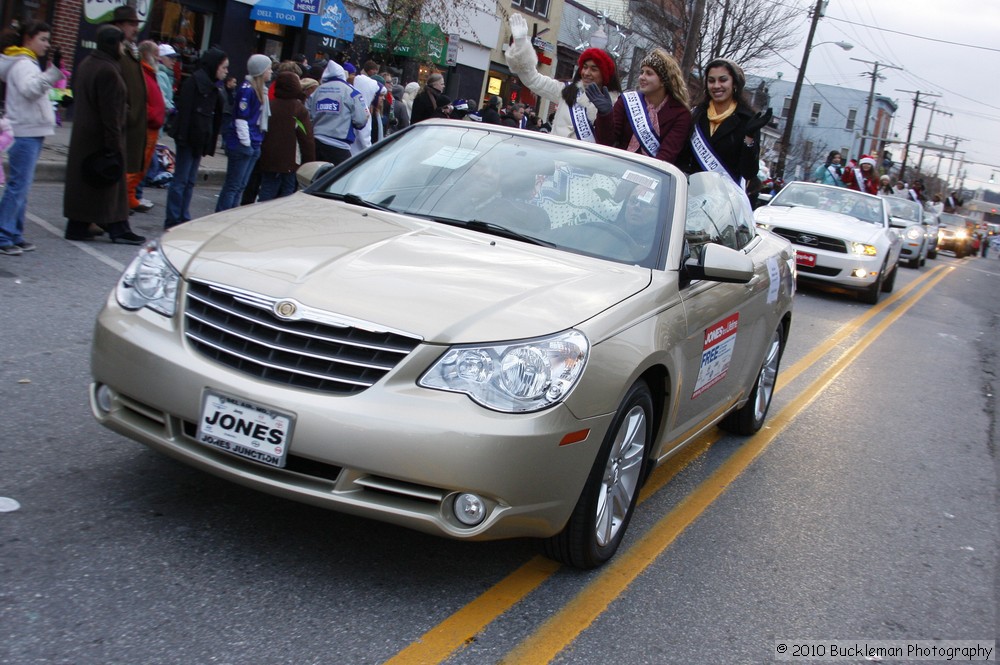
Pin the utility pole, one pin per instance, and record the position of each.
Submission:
(692, 42)
(871, 97)
(786, 133)
(909, 131)
(927, 136)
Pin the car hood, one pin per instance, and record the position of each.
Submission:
(444, 284)
(820, 222)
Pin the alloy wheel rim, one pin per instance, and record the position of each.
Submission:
(768, 377)
(621, 475)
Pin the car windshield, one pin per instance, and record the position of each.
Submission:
(865, 207)
(904, 209)
(571, 197)
(950, 220)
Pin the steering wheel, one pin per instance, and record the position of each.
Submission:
(611, 230)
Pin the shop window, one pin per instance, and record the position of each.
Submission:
(539, 7)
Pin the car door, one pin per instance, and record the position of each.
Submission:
(727, 324)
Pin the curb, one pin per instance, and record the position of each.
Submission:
(49, 171)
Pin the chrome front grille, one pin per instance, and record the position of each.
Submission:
(305, 348)
(804, 239)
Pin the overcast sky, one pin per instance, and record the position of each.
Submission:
(945, 47)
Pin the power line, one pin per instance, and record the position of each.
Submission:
(908, 34)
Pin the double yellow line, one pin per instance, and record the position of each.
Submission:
(561, 629)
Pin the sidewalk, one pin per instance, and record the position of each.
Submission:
(52, 162)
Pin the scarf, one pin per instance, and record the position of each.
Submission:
(265, 105)
(15, 51)
(715, 119)
(654, 122)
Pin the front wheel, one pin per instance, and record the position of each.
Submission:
(602, 513)
(870, 295)
(890, 282)
(750, 418)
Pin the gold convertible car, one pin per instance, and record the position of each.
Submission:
(475, 331)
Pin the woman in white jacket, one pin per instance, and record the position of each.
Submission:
(32, 118)
(575, 114)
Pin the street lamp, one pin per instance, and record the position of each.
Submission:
(786, 134)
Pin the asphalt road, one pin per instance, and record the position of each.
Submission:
(866, 509)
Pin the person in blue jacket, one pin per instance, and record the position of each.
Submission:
(249, 124)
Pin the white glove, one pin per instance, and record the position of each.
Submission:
(518, 27)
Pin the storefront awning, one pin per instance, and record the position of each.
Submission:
(427, 42)
(332, 19)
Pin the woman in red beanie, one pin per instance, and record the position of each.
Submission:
(862, 177)
(575, 115)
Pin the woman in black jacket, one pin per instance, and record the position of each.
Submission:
(196, 131)
(726, 132)
(431, 102)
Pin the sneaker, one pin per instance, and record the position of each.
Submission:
(128, 238)
(26, 246)
(144, 206)
(146, 202)
(11, 250)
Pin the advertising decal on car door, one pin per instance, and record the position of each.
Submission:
(720, 340)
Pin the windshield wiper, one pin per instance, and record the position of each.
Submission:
(353, 199)
(493, 229)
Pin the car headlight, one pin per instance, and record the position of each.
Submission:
(914, 232)
(960, 234)
(149, 281)
(863, 249)
(514, 377)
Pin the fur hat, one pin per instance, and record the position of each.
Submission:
(258, 64)
(655, 61)
(867, 159)
(601, 59)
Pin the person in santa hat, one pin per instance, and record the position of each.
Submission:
(862, 177)
(575, 113)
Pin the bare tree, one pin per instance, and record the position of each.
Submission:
(749, 32)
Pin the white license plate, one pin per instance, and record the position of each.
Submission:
(250, 430)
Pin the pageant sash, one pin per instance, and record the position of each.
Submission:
(706, 157)
(635, 108)
(581, 123)
(703, 153)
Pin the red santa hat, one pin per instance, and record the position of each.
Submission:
(601, 59)
(867, 159)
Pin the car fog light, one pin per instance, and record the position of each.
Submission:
(103, 395)
(860, 272)
(469, 509)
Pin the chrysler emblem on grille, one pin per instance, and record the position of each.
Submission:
(808, 240)
(285, 309)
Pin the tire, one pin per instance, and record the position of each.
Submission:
(750, 418)
(932, 254)
(889, 283)
(870, 295)
(602, 513)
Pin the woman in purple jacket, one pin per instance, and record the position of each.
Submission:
(251, 113)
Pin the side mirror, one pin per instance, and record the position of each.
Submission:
(310, 171)
(720, 264)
